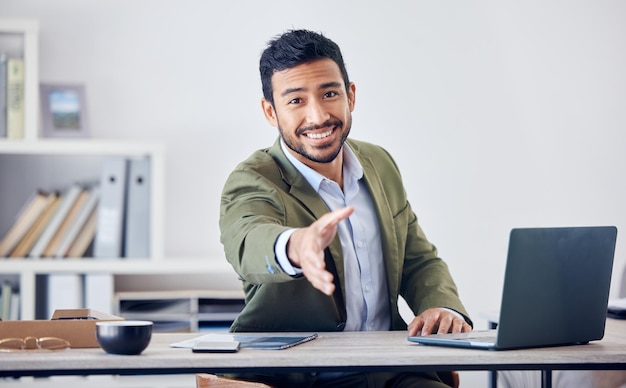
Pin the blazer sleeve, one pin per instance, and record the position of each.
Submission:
(252, 216)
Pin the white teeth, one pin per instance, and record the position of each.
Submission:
(319, 135)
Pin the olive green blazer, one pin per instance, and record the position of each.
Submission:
(266, 195)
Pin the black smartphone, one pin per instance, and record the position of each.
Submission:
(215, 347)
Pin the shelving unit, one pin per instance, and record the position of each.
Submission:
(44, 164)
(181, 311)
(35, 163)
(51, 164)
(26, 271)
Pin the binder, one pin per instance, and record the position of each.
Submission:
(65, 291)
(3, 95)
(137, 229)
(6, 297)
(15, 98)
(99, 292)
(79, 221)
(111, 208)
(67, 200)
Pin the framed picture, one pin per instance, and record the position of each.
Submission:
(64, 111)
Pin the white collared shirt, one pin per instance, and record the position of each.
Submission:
(367, 298)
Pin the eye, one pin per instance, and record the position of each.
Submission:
(330, 94)
(294, 101)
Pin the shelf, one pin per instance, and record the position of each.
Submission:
(80, 147)
(49, 164)
(29, 166)
(28, 270)
(182, 294)
(116, 266)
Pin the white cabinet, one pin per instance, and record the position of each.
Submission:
(34, 162)
(26, 166)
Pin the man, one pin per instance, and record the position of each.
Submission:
(319, 228)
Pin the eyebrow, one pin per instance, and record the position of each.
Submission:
(323, 86)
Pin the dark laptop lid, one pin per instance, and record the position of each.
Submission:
(556, 286)
(556, 289)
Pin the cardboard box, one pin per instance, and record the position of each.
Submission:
(78, 326)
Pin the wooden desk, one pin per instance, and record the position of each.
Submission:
(344, 351)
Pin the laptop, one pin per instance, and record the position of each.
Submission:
(556, 290)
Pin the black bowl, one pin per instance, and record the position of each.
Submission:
(124, 337)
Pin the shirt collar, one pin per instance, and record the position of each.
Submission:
(352, 169)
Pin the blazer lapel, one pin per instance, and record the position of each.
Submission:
(299, 188)
(385, 219)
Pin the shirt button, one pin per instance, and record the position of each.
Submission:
(359, 244)
(368, 288)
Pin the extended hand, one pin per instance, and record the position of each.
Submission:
(305, 248)
(438, 320)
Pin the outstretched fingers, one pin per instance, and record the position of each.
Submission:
(306, 248)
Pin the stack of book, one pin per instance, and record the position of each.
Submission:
(109, 218)
(54, 224)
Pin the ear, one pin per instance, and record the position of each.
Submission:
(351, 96)
(270, 113)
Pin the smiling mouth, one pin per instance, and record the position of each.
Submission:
(319, 135)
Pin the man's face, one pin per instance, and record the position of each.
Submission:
(312, 110)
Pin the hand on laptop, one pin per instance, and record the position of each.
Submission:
(438, 321)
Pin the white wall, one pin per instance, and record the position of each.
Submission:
(500, 113)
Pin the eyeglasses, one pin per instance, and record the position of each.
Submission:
(33, 343)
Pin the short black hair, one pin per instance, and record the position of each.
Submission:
(294, 48)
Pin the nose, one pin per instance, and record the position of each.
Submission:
(316, 113)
